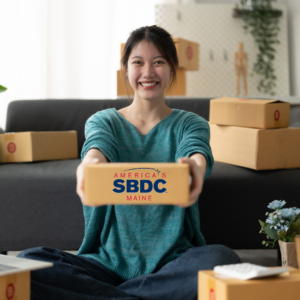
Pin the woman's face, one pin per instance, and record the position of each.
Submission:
(148, 71)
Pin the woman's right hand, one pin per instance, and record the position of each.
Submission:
(80, 175)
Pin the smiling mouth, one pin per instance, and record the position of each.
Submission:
(146, 84)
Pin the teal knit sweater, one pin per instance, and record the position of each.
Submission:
(133, 240)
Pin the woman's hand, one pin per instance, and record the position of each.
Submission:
(80, 176)
(93, 156)
(197, 165)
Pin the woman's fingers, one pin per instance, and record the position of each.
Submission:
(80, 177)
(197, 180)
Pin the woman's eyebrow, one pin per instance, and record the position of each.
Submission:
(159, 56)
(136, 57)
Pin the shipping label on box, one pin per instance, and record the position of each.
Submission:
(37, 146)
(136, 183)
(213, 286)
(258, 149)
(15, 287)
(253, 113)
(188, 54)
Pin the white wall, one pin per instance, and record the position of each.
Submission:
(293, 8)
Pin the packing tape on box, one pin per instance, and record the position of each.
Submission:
(9, 136)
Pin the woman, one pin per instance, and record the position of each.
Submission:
(138, 251)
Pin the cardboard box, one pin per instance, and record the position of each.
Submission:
(212, 286)
(136, 183)
(121, 87)
(177, 90)
(258, 149)
(16, 286)
(249, 112)
(35, 146)
(188, 54)
(122, 48)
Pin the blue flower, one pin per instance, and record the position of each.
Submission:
(276, 204)
(296, 211)
(270, 221)
(285, 228)
(287, 212)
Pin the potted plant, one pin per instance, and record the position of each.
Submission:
(2, 88)
(282, 225)
(263, 22)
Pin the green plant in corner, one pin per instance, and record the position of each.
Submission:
(282, 224)
(2, 88)
(263, 22)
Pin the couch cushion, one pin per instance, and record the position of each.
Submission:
(39, 205)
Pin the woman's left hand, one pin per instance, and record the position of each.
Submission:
(197, 171)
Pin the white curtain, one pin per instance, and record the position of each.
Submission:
(65, 49)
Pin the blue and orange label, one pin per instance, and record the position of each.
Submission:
(137, 183)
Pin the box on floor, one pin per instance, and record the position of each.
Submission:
(212, 286)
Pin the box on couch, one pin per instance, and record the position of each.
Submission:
(254, 113)
(136, 183)
(212, 286)
(258, 149)
(37, 146)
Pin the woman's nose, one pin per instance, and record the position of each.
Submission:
(148, 70)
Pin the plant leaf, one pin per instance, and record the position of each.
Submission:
(271, 232)
(295, 226)
(2, 88)
(292, 238)
(262, 224)
(282, 234)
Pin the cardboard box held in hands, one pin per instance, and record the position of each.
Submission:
(258, 149)
(37, 146)
(253, 113)
(136, 183)
(212, 286)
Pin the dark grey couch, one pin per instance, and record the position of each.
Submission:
(39, 205)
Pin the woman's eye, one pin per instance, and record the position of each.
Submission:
(158, 62)
(137, 62)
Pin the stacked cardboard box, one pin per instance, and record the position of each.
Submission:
(253, 133)
(188, 59)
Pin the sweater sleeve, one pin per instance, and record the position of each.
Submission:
(99, 134)
(195, 138)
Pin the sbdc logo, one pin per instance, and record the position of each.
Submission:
(132, 186)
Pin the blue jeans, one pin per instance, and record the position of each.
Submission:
(78, 278)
